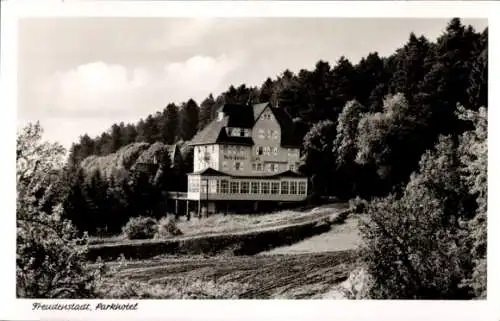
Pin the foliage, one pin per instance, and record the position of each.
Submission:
(140, 227)
(410, 254)
(474, 152)
(51, 258)
(358, 205)
(167, 227)
(318, 155)
(430, 242)
(358, 285)
(186, 289)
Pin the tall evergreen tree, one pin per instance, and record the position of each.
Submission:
(411, 62)
(206, 108)
(188, 120)
(344, 85)
(266, 91)
(371, 78)
(171, 123)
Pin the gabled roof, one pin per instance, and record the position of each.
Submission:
(258, 109)
(209, 171)
(288, 135)
(244, 116)
(238, 115)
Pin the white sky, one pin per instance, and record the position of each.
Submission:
(81, 75)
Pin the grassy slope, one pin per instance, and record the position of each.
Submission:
(233, 223)
(308, 269)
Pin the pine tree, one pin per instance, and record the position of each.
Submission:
(171, 124)
(206, 108)
(188, 120)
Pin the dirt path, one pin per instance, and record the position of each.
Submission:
(340, 238)
(268, 276)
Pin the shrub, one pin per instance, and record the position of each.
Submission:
(51, 258)
(141, 227)
(167, 227)
(411, 253)
(358, 205)
(357, 286)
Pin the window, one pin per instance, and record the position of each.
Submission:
(242, 150)
(267, 150)
(254, 167)
(293, 152)
(235, 132)
(276, 168)
(247, 132)
(293, 187)
(204, 186)
(275, 188)
(245, 188)
(302, 188)
(284, 187)
(224, 186)
(275, 151)
(264, 186)
(237, 166)
(268, 134)
(212, 186)
(261, 133)
(242, 132)
(255, 187)
(224, 165)
(291, 167)
(259, 167)
(259, 150)
(275, 134)
(235, 187)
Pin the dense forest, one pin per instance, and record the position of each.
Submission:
(404, 136)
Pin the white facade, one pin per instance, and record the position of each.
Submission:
(267, 156)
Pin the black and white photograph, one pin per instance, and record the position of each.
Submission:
(326, 158)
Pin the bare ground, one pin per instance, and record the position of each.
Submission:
(298, 276)
(309, 269)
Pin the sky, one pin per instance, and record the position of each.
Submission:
(81, 75)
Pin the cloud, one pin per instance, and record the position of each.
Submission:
(106, 93)
(185, 32)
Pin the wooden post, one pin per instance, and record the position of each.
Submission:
(199, 208)
(188, 215)
(176, 207)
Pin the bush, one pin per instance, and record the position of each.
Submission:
(167, 228)
(51, 258)
(411, 253)
(358, 205)
(357, 286)
(141, 227)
